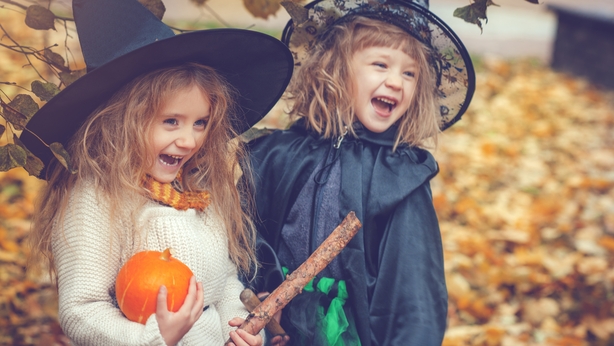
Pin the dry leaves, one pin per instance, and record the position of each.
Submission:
(262, 8)
(28, 301)
(525, 200)
(526, 206)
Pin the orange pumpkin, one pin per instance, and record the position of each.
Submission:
(139, 281)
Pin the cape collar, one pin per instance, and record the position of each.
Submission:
(385, 138)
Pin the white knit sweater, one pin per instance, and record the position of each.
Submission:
(88, 261)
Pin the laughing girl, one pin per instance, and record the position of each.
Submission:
(375, 83)
(150, 131)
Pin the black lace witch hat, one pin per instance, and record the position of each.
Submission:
(121, 40)
(456, 76)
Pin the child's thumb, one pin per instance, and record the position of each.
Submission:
(161, 301)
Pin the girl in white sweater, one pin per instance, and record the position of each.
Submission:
(152, 166)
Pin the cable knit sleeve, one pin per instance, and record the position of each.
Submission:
(229, 304)
(87, 262)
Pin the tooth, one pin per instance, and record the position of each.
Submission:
(390, 102)
(176, 158)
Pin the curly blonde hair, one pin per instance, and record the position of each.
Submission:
(110, 150)
(322, 88)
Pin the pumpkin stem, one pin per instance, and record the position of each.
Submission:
(166, 255)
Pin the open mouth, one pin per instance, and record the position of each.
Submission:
(170, 160)
(383, 105)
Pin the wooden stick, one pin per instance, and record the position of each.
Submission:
(294, 283)
(251, 301)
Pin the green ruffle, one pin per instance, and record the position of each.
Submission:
(335, 321)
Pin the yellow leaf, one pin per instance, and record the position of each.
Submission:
(9, 245)
(607, 242)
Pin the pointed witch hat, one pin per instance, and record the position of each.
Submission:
(121, 40)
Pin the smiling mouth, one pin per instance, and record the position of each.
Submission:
(383, 104)
(170, 160)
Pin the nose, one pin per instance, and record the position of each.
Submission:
(186, 139)
(394, 81)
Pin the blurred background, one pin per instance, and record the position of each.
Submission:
(524, 196)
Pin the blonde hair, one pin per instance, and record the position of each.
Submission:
(110, 150)
(322, 89)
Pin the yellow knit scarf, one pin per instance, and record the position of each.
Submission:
(168, 194)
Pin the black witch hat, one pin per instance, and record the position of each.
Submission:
(121, 40)
(449, 57)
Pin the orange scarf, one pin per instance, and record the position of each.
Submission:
(167, 194)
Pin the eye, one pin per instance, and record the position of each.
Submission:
(201, 123)
(379, 64)
(170, 121)
(410, 73)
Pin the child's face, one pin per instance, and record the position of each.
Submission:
(177, 133)
(384, 84)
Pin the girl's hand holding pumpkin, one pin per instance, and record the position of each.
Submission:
(241, 337)
(174, 325)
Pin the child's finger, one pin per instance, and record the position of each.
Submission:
(276, 340)
(188, 303)
(236, 338)
(197, 310)
(161, 306)
(235, 322)
(280, 340)
(245, 338)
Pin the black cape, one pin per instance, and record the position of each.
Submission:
(394, 265)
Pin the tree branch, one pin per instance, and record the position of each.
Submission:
(294, 283)
(21, 49)
(217, 16)
(10, 2)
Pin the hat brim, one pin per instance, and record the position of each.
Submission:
(450, 58)
(257, 65)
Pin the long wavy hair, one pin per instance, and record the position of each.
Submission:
(322, 89)
(110, 150)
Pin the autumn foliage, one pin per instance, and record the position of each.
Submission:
(526, 203)
(525, 199)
